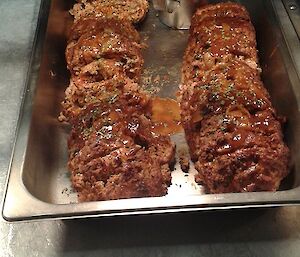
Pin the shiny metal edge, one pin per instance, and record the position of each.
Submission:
(27, 97)
(40, 210)
(291, 38)
(293, 9)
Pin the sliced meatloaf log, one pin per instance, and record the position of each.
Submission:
(131, 10)
(118, 89)
(233, 132)
(94, 25)
(115, 154)
(221, 10)
(115, 150)
(216, 38)
(103, 45)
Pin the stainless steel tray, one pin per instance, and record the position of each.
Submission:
(38, 183)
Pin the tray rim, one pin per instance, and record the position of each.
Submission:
(38, 210)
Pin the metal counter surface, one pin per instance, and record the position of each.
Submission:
(264, 232)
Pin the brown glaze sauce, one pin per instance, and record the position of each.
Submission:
(240, 124)
(166, 116)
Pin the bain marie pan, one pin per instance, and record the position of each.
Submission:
(38, 184)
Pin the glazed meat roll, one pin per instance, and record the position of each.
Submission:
(233, 132)
(115, 149)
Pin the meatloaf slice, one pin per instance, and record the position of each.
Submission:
(131, 10)
(228, 10)
(101, 69)
(257, 168)
(116, 90)
(105, 69)
(90, 48)
(223, 35)
(216, 39)
(94, 25)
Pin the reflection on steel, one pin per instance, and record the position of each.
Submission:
(292, 8)
(176, 13)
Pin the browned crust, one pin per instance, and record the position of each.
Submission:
(90, 48)
(214, 40)
(131, 10)
(228, 9)
(79, 95)
(94, 25)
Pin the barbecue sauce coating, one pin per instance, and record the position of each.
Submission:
(233, 132)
